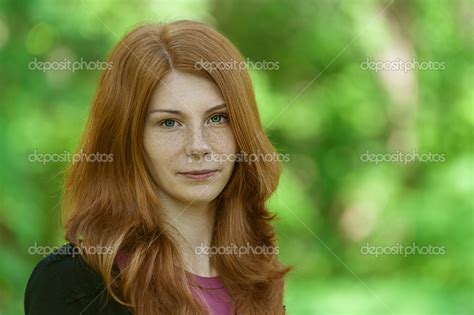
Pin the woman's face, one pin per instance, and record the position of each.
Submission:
(187, 123)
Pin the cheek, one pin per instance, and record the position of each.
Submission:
(223, 141)
(163, 149)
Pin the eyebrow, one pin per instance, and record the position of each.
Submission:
(177, 112)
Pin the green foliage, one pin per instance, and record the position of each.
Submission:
(320, 107)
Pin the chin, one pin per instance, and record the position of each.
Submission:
(199, 194)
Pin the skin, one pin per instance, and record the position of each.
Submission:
(187, 120)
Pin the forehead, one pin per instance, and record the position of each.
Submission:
(185, 92)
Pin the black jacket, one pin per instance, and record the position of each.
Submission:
(63, 284)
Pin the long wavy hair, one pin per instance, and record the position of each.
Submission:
(115, 204)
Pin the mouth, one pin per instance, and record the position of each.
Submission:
(199, 174)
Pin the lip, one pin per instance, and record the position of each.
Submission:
(200, 175)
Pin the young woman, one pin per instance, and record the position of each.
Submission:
(179, 204)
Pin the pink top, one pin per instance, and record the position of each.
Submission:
(210, 289)
(214, 294)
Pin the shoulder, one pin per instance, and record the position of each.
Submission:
(63, 283)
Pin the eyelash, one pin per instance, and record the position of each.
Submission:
(224, 115)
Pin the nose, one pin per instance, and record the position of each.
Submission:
(197, 145)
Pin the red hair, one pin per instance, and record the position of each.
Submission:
(115, 204)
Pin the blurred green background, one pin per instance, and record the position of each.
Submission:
(322, 106)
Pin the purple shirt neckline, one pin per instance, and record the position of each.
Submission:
(211, 289)
(208, 282)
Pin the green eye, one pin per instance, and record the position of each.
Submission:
(168, 123)
(217, 119)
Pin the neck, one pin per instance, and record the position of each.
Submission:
(191, 224)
